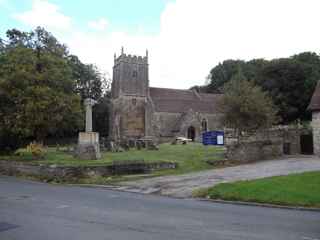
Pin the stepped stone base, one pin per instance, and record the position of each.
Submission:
(88, 146)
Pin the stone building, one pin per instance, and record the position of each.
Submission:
(314, 107)
(138, 110)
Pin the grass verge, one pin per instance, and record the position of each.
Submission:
(293, 190)
(191, 157)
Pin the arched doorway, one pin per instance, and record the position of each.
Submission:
(191, 133)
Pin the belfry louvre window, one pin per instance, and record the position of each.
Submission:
(134, 74)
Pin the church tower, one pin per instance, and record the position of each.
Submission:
(129, 95)
(130, 76)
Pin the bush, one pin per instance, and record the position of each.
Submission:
(37, 150)
(24, 154)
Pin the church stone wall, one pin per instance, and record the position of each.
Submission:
(171, 125)
(132, 79)
(214, 122)
(130, 76)
(165, 123)
(128, 117)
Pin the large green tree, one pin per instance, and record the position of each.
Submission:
(245, 106)
(289, 81)
(89, 80)
(37, 90)
(223, 72)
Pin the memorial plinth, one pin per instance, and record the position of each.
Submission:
(88, 141)
(88, 146)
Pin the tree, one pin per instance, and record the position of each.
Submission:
(39, 40)
(36, 87)
(245, 107)
(223, 72)
(101, 114)
(42, 87)
(289, 81)
(88, 78)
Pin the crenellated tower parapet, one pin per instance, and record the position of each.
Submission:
(131, 59)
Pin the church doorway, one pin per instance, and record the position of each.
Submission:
(191, 133)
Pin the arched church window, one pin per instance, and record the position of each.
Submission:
(204, 125)
(134, 101)
(191, 133)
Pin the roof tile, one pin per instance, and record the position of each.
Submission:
(179, 101)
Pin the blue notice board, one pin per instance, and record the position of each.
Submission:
(213, 138)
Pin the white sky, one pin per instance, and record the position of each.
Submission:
(194, 35)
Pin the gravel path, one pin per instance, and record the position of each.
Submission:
(183, 185)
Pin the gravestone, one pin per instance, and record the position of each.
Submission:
(88, 141)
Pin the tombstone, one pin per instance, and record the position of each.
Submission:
(88, 142)
(125, 145)
(152, 146)
(138, 145)
(112, 147)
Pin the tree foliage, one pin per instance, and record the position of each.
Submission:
(289, 81)
(88, 78)
(41, 87)
(224, 72)
(37, 101)
(101, 115)
(245, 106)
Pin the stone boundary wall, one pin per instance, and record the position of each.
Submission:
(286, 136)
(254, 151)
(73, 172)
(268, 144)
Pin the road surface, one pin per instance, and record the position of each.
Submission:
(38, 211)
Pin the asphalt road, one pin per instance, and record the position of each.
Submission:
(30, 210)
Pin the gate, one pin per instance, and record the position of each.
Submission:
(306, 142)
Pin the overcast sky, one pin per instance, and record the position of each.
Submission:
(185, 38)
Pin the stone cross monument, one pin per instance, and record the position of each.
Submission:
(89, 103)
(88, 142)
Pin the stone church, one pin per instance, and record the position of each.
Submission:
(141, 111)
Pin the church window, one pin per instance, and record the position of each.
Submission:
(134, 101)
(204, 125)
(134, 74)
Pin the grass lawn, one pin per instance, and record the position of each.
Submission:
(293, 190)
(190, 157)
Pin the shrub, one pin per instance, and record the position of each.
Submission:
(23, 154)
(37, 150)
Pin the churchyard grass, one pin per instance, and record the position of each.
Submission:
(190, 157)
(292, 190)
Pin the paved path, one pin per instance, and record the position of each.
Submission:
(38, 211)
(183, 185)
